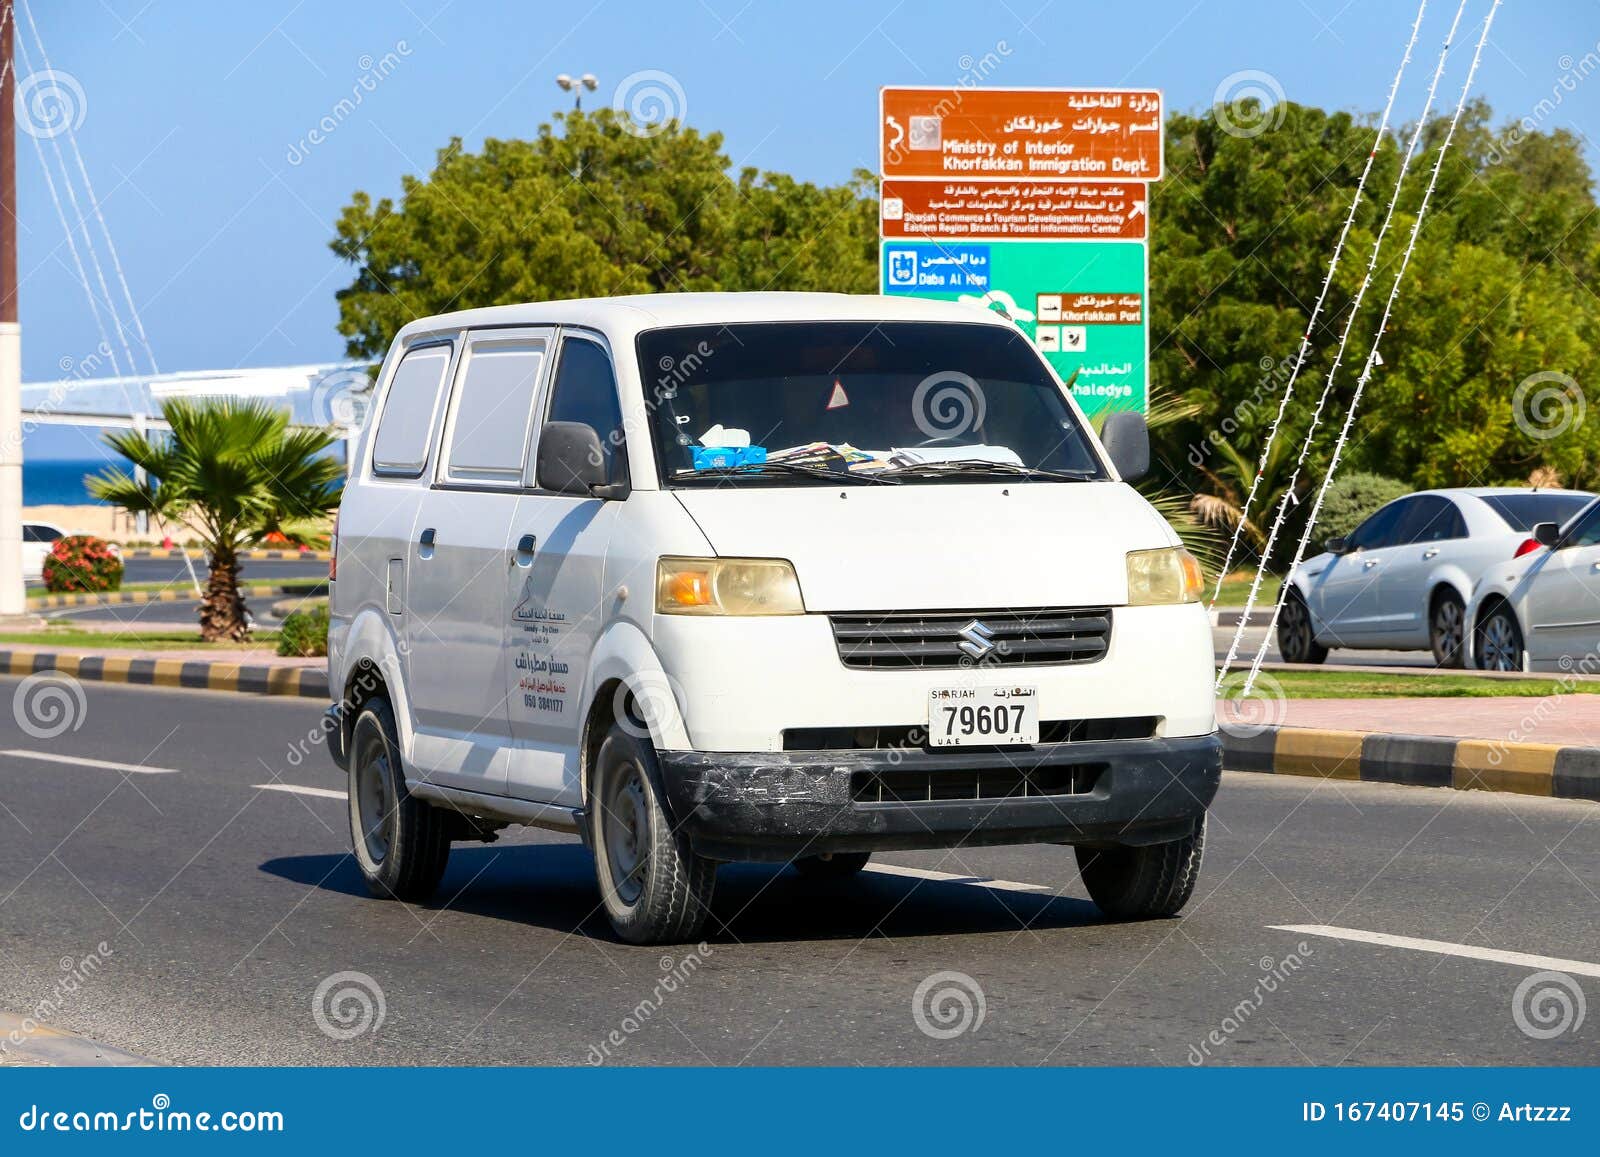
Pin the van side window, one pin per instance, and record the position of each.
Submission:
(401, 445)
(586, 391)
(494, 413)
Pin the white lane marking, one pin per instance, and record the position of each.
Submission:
(953, 878)
(296, 789)
(1445, 948)
(52, 757)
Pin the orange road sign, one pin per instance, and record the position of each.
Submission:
(1015, 134)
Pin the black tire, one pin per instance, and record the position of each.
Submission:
(401, 843)
(1143, 883)
(654, 887)
(1498, 641)
(1297, 640)
(832, 865)
(1447, 629)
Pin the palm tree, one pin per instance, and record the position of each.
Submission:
(237, 471)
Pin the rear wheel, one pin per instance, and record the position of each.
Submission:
(832, 865)
(1143, 883)
(1446, 624)
(1297, 641)
(1500, 641)
(655, 889)
(402, 844)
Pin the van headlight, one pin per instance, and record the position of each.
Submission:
(1168, 575)
(727, 586)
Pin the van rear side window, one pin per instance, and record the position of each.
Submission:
(401, 445)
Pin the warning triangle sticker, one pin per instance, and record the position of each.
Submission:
(838, 398)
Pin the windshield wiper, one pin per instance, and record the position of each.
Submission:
(784, 469)
(951, 467)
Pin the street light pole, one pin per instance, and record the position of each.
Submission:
(13, 601)
(576, 86)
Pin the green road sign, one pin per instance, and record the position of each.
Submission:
(1083, 304)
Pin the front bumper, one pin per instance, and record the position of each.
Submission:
(776, 806)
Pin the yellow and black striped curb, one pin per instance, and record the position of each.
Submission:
(170, 595)
(25, 1042)
(192, 674)
(1547, 769)
(244, 555)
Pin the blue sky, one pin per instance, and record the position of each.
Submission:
(191, 111)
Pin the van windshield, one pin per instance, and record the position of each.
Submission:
(819, 403)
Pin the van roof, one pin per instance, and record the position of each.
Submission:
(620, 317)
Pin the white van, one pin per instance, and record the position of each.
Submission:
(776, 577)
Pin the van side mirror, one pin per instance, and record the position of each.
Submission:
(1337, 545)
(1127, 440)
(1546, 533)
(572, 461)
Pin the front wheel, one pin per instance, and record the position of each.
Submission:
(655, 889)
(1297, 640)
(1445, 633)
(1500, 641)
(1143, 883)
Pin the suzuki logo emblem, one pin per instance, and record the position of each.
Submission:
(977, 640)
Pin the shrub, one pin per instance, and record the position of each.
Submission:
(82, 562)
(1351, 498)
(305, 632)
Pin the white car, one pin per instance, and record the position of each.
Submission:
(37, 540)
(1403, 578)
(776, 577)
(1541, 612)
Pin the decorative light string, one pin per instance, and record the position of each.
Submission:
(1288, 499)
(1377, 338)
(1316, 313)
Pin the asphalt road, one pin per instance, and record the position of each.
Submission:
(149, 616)
(222, 908)
(172, 570)
(1222, 637)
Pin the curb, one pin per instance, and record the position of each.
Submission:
(115, 598)
(23, 1041)
(1544, 769)
(193, 674)
(244, 555)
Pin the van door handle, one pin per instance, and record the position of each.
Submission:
(1369, 564)
(425, 543)
(523, 555)
(1430, 553)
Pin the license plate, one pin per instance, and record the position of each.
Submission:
(982, 716)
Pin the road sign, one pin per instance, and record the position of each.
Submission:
(1083, 304)
(1035, 203)
(1044, 209)
(1010, 134)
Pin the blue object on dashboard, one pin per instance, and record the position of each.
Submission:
(725, 457)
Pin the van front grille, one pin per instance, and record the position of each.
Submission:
(906, 639)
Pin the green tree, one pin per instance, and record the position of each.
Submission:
(593, 211)
(238, 471)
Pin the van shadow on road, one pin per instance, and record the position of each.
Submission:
(552, 886)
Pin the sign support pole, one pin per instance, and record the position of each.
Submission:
(12, 595)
